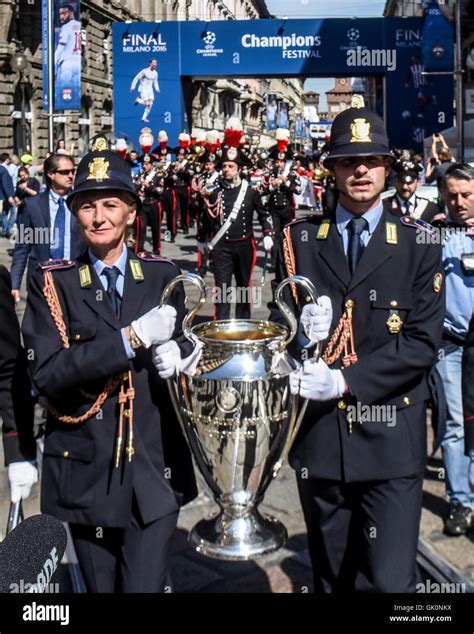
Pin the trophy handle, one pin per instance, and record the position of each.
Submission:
(297, 417)
(201, 286)
(288, 313)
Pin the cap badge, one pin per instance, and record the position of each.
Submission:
(232, 153)
(98, 169)
(360, 130)
(100, 145)
(357, 101)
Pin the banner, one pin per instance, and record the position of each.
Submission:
(438, 40)
(272, 111)
(389, 49)
(67, 55)
(45, 17)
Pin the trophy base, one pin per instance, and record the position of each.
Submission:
(238, 538)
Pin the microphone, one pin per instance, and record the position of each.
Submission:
(30, 554)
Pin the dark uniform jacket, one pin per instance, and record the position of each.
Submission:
(468, 389)
(426, 210)
(16, 403)
(391, 368)
(80, 483)
(242, 227)
(281, 197)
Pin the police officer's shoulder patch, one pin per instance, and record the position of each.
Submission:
(421, 225)
(53, 265)
(152, 257)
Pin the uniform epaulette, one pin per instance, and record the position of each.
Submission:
(408, 221)
(51, 265)
(152, 257)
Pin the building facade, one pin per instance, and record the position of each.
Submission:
(23, 121)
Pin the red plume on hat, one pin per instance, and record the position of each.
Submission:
(282, 136)
(163, 138)
(121, 148)
(212, 141)
(233, 132)
(184, 140)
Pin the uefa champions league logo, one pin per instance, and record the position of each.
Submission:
(209, 38)
(353, 35)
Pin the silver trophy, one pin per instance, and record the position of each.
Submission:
(232, 398)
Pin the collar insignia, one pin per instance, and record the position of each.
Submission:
(85, 278)
(137, 272)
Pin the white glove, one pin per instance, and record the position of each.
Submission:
(317, 381)
(167, 358)
(267, 243)
(316, 319)
(21, 476)
(202, 247)
(156, 326)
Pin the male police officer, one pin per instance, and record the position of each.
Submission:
(360, 452)
(231, 211)
(458, 256)
(405, 199)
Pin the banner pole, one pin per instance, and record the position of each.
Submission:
(459, 83)
(50, 76)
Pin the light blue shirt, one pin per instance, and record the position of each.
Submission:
(343, 218)
(121, 263)
(459, 286)
(53, 210)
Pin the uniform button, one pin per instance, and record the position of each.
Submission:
(126, 413)
(406, 400)
(66, 454)
(342, 405)
(394, 303)
(77, 337)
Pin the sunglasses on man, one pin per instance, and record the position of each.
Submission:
(66, 172)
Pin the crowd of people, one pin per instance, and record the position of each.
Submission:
(396, 275)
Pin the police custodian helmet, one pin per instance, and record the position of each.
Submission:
(103, 169)
(357, 131)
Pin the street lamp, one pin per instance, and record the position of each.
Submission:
(19, 63)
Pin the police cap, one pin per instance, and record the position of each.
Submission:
(407, 171)
(357, 131)
(103, 169)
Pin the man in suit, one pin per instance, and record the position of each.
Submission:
(16, 403)
(360, 452)
(115, 465)
(405, 200)
(7, 193)
(47, 229)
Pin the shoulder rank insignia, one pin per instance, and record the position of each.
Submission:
(323, 230)
(152, 257)
(50, 265)
(136, 269)
(391, 233)
(85, 278)
(437, 282)
(408, 221)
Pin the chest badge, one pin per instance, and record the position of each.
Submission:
(394, 323)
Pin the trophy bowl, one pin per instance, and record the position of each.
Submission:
(233, 400)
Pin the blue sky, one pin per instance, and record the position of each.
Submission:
(325, 9)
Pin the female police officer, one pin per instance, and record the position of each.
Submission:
(116, 466)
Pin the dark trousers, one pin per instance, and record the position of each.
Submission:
(133, 559)
(238, 259)
(280, 218)
(150, 215)
(184, 201)
(363, 536)
(171, 208)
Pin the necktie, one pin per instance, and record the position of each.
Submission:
(112, 273)
(407, 207)
(57, 252)
(355, 249)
